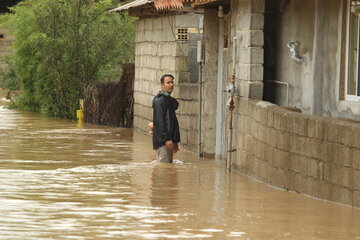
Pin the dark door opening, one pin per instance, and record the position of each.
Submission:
(270, 45)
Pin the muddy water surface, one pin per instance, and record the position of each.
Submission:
(62, 180)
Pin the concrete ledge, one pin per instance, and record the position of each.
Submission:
(303, 153)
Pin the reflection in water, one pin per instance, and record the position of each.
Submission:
(164, 187)
(59, 180)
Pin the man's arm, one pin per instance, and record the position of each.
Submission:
(161, 121)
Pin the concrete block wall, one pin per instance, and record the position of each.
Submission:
(157, 52)
(247, 25)
(316, 156)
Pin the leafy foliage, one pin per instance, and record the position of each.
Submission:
(62, 46)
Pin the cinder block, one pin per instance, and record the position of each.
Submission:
(256, 90)
(140, 25)
(149, 35)
(257, 167)
(249, 162)
(339, 131)
(263, 172)
(285, 141)
(356, 137)
(148, 24)
(321, 170)
(269, 155)
(249, 38)
(280, 177)
(157, 23)
(316, 127)
(267, 134)
(342, 155)
(298, 164)
(187, 20)
(136, 121)
(297, 144)
(251, 55)
(327, 167)
(341, 176)
(342, 195)
(249, 143)
(270, 117)
(326, 190)
(167, 22)
(312, 168)
(257, 21)
(273, 136)
(192, 137)
(253, 128)
(192, 108)
(313, 187)
(262, 152)
(192, 123)
(182, 121)
(295, 182)
(271, 175)
(240, 159)
(301, 121)
(240, 140)
(245, 19)
(275, 158)
(241, 124)
(356, 180)
(314, 148)
(356, 199)
(282, 159)
(257, 6)
(329, 133)
(356, 158)
(279, 119)
(343, 131)
(184, 136)
(250, 72)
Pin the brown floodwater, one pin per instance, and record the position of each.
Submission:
(63, 180)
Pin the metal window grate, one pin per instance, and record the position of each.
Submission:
(182, 34)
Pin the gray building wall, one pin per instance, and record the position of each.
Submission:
(296, 23)
(158, 52)
(316, 86)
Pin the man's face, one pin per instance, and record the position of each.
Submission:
(168, 85)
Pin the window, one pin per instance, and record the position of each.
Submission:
(352, 86)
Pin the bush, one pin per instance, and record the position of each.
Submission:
(62, 46)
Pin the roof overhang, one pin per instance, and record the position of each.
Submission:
(134, 4)
(146, 8)
(168, 4)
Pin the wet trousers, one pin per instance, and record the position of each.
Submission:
(164, 155)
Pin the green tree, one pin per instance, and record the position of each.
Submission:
(62, 46)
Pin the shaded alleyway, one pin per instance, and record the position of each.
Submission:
(61, 180)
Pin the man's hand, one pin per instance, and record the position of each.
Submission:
(169, 145)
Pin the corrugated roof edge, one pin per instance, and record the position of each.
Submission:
(133, 4)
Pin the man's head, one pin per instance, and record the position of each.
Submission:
(167, 83)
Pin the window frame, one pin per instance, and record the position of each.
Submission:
(347, 96)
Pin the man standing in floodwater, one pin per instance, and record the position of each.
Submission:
(166, 134)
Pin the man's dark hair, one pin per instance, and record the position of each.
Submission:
(164, 76)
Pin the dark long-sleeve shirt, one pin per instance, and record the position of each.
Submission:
(166, 126)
